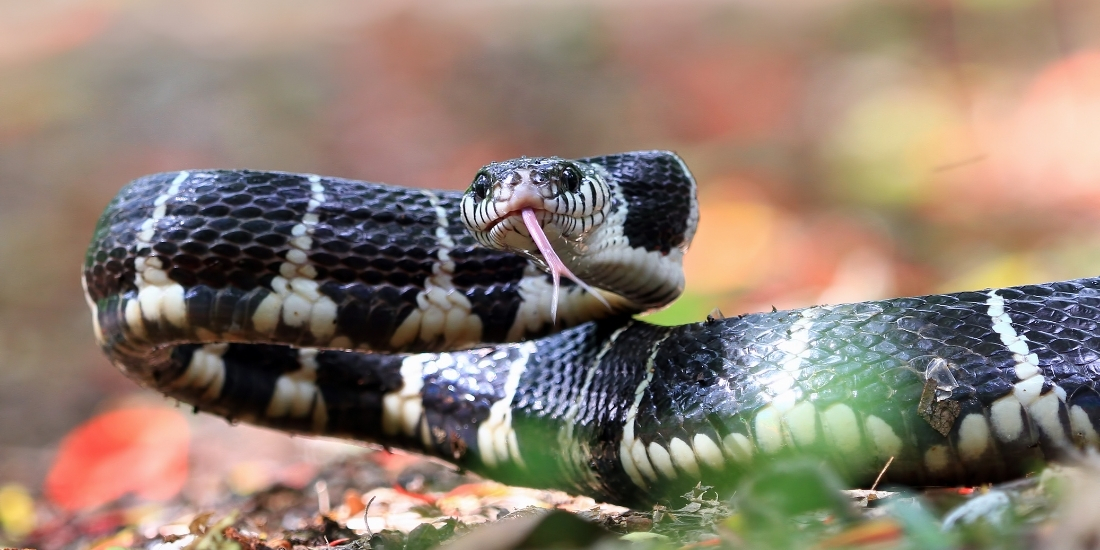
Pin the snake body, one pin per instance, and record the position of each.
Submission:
(253, 295)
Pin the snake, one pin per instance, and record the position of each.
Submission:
(495, 329)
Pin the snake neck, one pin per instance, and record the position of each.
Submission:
(638, 251)
(602, 260)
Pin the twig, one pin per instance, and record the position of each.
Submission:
(324, 505)
(880, 474)
(366, 515)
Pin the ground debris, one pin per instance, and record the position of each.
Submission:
(796, 504)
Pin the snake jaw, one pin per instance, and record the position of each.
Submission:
(508, 230)
(553, 262)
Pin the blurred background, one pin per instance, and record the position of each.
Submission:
(846, 150)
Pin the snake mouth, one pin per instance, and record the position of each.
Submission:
(521, 198)
(511, 230)
(516, 219)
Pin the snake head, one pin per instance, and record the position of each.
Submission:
(621, 223)
(569, 199)
(535, 207)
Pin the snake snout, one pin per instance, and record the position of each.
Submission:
(525, 194)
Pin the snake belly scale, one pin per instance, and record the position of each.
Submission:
(340, 308)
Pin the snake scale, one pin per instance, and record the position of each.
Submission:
(256, 295)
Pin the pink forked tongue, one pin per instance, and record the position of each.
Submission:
(557, 268)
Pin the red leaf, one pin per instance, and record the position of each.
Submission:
(141, 451)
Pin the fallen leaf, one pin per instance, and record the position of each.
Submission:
(141, 451)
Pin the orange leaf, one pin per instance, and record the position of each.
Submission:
(141, 451)
(879, 531)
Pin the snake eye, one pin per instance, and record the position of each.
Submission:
(570, 179)
(480, 187)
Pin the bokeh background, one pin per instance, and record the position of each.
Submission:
(845, 149)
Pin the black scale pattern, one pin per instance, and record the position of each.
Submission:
(352, 386)
(225, 235)
(109, 261)
(712, 378)
(490, 280)
(552, 392)
(659, 191)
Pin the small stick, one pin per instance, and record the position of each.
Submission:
(323, 503)
(366, 515)
(880, 474)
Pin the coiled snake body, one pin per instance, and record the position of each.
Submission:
(241, 293)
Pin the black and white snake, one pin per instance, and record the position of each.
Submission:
(239, 292)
